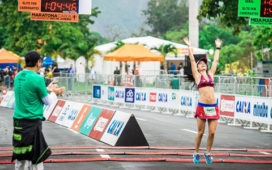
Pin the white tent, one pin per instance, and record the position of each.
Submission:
(150, 42)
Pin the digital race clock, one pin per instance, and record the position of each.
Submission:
(60, 6)
(266, 8)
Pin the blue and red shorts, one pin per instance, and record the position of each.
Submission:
(207, 111)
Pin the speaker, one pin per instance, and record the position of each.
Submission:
(187, 66)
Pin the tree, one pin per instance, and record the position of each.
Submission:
(226, 11)
(210, 33)
(163, 15)
(23, 34)
(164, 50)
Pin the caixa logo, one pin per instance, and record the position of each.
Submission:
(271, 112)
(243, 107)
(140, 96)
(186, 101)
(119, 94)
(260, 110)
(162, 97)
(115, 127)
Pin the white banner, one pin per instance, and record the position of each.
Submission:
(104, 93)
(187, 100)
(260, 110)
(115, 128)
(69, 113)
(141, 96)
(48, 109)
(174, 99)
(119, 94)
(6, 98)
(243, 108)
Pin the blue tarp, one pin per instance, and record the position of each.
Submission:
(48, 61)
(4, 65)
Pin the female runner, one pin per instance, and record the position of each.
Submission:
(207, 108)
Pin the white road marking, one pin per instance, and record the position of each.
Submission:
(102, 156)
(141, 119)
(188, 130)
(265, 153)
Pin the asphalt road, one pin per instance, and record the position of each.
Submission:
(160, 130)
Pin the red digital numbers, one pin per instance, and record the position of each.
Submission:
(59, 6)
(266, 8)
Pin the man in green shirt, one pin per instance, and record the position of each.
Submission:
(29, 146)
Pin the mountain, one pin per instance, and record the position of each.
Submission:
(119, 18)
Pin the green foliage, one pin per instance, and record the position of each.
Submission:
(164, 50)
(226, 11)
(262, 36)
(177, 35)
(164, 15)
(53, 38)
(210, 33)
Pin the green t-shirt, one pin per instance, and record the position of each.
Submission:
(29, 88)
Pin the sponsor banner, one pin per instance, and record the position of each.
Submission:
(81, 117)
(174, 98)
(243, 108)
(90, 120)
(101, 124)
(29, 5)
(119, 94)
(111, 93)
(227, 105)
(187, 100)
(153, 97)
(141, 96)
(48, 109)
(47, 16)
(6, 98)
(97, 92)
(115, 128)
(260, 110)
(69, 113)
(130, 95)
(11, 102)
(104, 93)
(57, 110)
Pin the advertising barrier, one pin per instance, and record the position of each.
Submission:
(81, 117)
(6, 98)
(141, 96)
(90, 120)
(187, 101)
(129, 95)
(227, 105)
(11, 102)
(101, 124)
(104, 93)
(260, 110)
(69, 113)
(57, 110)
(119, 94)
(243, 108)
(47, 110)
(123, 130)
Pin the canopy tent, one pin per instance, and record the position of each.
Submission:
(47, 61)
(8, 57)
(151, 42)
(133, 52)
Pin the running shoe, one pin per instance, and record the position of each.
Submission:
(196, 158)
(208, 158)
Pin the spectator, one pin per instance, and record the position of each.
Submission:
(173, 68)
(117, 78)
(55, 70)
(92, 74)
(71, 73)
(181, 69)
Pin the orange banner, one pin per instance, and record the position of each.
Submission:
(44, 16)
(184, 50)
(29, 5)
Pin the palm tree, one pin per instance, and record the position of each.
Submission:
(164, 50)
(87, 50)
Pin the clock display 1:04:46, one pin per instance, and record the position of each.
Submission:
(59, 5)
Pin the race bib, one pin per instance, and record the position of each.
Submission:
(210, 111)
